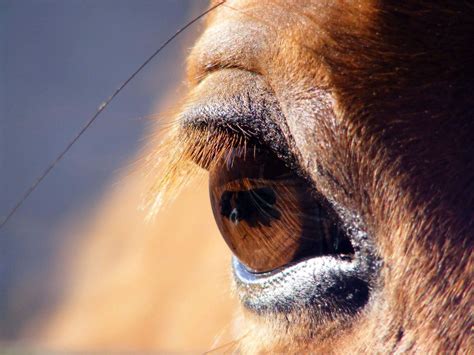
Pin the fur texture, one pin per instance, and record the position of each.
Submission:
(376, 106)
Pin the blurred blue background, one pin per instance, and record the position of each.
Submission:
(59, 59)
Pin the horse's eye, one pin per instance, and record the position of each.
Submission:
(269, 215)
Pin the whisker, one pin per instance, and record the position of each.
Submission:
(229, 346)
(100, 109)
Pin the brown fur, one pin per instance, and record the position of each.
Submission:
(377, 98)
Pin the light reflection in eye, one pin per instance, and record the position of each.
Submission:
(268, 215)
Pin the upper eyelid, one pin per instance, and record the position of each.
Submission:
(251, 125)
(245, 107)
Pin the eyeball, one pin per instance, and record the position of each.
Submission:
(269, 215)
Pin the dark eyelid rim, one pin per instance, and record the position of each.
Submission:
(255, 117)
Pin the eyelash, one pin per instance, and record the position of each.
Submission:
(202, 143)
(176, 164)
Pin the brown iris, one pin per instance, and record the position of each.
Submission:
(268, 215)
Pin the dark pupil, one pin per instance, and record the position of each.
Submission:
(267, 214)
(254, 206)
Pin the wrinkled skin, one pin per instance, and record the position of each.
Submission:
(376, 103)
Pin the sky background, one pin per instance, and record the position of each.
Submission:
(58, 61)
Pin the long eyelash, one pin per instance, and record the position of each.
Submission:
(182, 155)
(101, 108)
